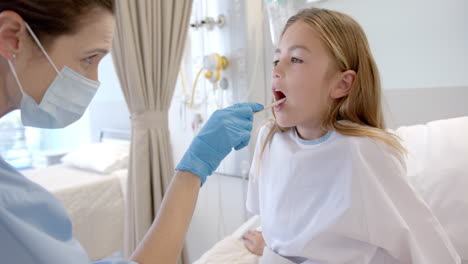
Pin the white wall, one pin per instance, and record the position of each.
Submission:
(108, 110)
(417, 43)
(110, 90)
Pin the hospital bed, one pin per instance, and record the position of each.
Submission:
(437, 166)
(90, 183)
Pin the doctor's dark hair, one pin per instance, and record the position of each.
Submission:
(360, 112)
(52, 18)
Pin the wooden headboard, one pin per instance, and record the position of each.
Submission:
(404, 107)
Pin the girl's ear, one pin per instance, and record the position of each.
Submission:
(343, 87)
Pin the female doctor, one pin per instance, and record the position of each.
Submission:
(49, 56)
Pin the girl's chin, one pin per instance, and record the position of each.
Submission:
(282, 121)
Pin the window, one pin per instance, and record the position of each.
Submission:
(13, 143)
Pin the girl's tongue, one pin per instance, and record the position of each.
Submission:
(279, 96)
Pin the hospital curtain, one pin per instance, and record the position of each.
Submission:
(147, 51)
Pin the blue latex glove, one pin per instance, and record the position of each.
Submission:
(226, 129)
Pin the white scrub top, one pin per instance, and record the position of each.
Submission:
(341, 199)
(34, 226)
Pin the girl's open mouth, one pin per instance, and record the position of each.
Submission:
(278, 96)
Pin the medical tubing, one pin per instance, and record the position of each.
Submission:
(182, 81)
(194, 86)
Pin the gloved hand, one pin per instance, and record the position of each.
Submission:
(226, 129)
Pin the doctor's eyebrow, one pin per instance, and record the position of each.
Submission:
(293, 47)
(103, 51)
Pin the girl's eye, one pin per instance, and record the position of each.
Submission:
(275, 62)
(296, 60)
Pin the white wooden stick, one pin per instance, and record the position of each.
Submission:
(272, 105)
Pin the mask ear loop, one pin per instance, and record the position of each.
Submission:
(42, 48)
(12, 68)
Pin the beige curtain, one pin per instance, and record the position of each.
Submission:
(147, 52)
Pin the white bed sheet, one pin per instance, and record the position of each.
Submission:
(231, 250)
(94, 202)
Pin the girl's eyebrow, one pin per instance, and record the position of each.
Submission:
(293, 47)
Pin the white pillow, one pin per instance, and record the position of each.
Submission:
(103, 157)
(438, 169)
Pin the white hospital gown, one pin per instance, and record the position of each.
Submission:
(341, 199)
(34, 226)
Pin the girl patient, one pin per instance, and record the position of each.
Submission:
(328, 181)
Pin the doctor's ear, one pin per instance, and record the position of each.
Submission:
(11, 30)
(345, 82)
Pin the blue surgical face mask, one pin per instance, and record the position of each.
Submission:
(64, 102)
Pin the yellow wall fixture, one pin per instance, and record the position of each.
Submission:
(214, 63)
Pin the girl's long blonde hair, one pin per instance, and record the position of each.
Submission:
(361, 108)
